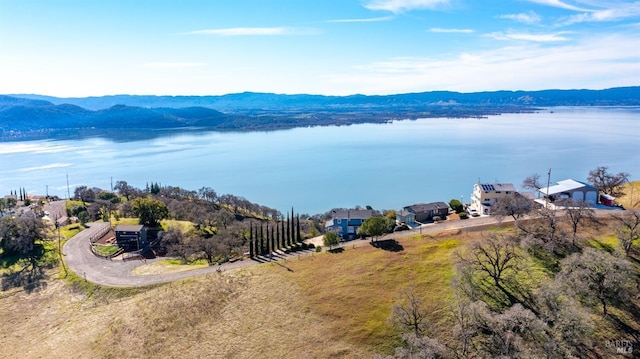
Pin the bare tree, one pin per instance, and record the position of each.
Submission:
(629, 229)
(577, 212)
(569, 326)
(532, 182)
(515, 206)
(409, 313)
(208, 194)
(597, 276)
(606, 182)
(84, 194)
(545, 232)
(516, 333)
(495, 256)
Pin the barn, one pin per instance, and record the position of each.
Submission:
(571, 189)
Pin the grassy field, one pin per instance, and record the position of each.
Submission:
(631, 198)
(325, 305)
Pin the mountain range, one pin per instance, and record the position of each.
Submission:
(36, 115)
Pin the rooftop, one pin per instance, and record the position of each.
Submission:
(566, 186)
(129, 228)
(492, 187)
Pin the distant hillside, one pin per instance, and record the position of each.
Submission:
(24, 115)
(35, 116)
(622, 96)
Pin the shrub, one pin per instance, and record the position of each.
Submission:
(456, 205)
(463, 215)
(318, 249)
(436, 218)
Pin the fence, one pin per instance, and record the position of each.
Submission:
(94, 237)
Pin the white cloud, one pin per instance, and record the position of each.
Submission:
(400, 6)
(243, 31)
(596, 62)
(560, 4)
(621, 12)
(552, 37)
(527, 18)
(462, 31)
(373, 19)
(174, 65)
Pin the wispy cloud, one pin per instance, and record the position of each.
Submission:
(174, 65)
(400, 6)
(527, 18)
(593, 62)
(551, 37)
(373, 19)
(461, 31)
(253, 31)
(616, 13)
(560, 4)
(42, 168)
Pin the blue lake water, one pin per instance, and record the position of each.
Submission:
(387, 166)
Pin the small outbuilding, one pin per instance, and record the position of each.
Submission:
(131, 237)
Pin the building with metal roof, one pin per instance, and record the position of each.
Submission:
(576, 190)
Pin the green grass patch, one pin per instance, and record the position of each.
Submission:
(125, 220)
(70, 230)
(172, 223)
(105, 251)
(606, 243)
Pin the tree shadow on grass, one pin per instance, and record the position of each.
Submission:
(390, 245)
(336, 250)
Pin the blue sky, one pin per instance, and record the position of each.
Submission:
(72, 48)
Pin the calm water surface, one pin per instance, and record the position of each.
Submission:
(315, 169)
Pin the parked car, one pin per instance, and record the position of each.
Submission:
(473, 212)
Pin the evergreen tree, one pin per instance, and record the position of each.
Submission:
(286, 232)
(278, 239)
(292, 231)
(273, 241)
(261, 241)
(269, 240)
(251, 252)
(298, 234)
(284, 240)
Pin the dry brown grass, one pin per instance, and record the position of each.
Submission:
(631, 197)
(243, 314)
(320, 306)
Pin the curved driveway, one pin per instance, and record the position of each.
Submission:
(118, 273)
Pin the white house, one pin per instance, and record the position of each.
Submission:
(486, 195)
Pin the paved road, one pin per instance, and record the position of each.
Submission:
(118, 273)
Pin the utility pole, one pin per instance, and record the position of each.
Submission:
(546, 203)
(68, 192)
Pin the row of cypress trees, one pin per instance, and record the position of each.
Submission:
(21, 196)
(281, 234)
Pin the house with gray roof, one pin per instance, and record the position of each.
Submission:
(345, 223)
(426, 212)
